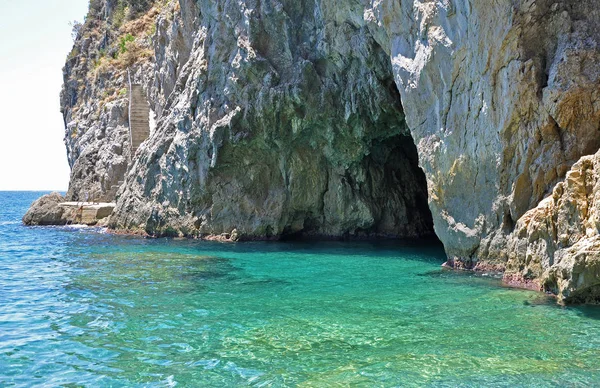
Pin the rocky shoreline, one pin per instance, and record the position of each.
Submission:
(474, 121)
(50, 210)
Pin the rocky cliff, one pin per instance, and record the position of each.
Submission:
(384, 118)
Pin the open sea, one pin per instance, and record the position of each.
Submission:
(80, 307)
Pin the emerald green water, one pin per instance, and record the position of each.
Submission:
(82, 308)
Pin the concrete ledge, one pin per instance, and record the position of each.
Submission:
(51, 209)
(91, 205)
(87, 212)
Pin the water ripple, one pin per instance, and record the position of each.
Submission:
(79, 307)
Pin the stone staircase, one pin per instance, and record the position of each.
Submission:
(139, 117)
(139, 131)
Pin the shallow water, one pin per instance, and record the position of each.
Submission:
(82, 307)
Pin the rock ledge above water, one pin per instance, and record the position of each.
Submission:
(51, 209)
(46, 211)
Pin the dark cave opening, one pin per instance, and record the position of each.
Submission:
(397, 189)
(387, 181)
(392, 185)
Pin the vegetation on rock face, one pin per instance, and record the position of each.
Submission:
(125, 39)
(115, 36)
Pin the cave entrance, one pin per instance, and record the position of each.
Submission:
(396, 190)
(379, 195)
(383, 196)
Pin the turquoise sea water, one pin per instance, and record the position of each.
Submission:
(79, 307)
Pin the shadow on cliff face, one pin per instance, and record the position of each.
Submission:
(379, 195)
(586, 296)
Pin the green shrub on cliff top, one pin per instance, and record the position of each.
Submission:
(123, 42)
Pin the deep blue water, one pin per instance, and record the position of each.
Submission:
(80, 307)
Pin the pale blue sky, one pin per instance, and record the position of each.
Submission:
(35, 39)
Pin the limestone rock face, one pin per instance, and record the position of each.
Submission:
(45, 211)
(556, 246)
(282, 119)
(349, 118)
(501, 98)
(94, 101)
